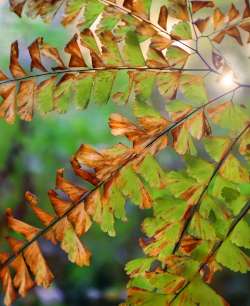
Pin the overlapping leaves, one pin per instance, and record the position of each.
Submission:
(195, 230)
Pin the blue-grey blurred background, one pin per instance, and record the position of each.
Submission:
(30, 153)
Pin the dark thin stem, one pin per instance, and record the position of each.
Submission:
(130, 159)
(216, 247)
(196, 207)
(82, 70)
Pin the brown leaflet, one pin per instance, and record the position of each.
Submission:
(52, 53)
(208, 271)
(163, 17)
(219, 37)
(202, 24)
(7, 107)
(233, 13)
(235, 33)
(28, 231)
(198, 5)
(78, 216)
(26, 99)
(218, 18)
(17, 6)
(32, 254)
(121, 126)
(34, 51)
(76, 58)
(84, 174)
(73, 191)
(42, 215)
(245, 25)
(137, 7)
(22, 279)
(153, 125)
(146, 29)
(6, 280)
(246, 12)
(38, 266)
(160, 43)
(188, 244)
(16, 69)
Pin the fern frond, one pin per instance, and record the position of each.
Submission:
(116, 177)
(112, 75)
(194, 229)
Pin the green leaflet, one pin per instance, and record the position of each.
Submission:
(184, 143)
(178, 183)
(231, 257)
(92, 11)
(165, 282)
(218, 214)
(168, 83)
(132, 187)
(141, 283)
(83, 89)
(45, 92)
(199, 169)
(122, 87)
(73, 7)
(102, 87)
(199, 293)
(151, 172)
(139, 265)
(176, 56)
(110, 54)
(63, 94)
(201, 228)
(193, 88)
(240, 235)
(117, 202)
(177, 106)
(182, 30)
(146, 298)
(167, 236)
(107, 224)
(233, 170)
(169, 208)
(141, 109)
(108, 21)
(183, 266)
(216, 146)
(232, 117)
(144, 84)
(132, 52)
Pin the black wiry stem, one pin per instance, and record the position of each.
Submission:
(130, 159)
(196, 207)
(86, 70)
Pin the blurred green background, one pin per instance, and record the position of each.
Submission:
(30, 153)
